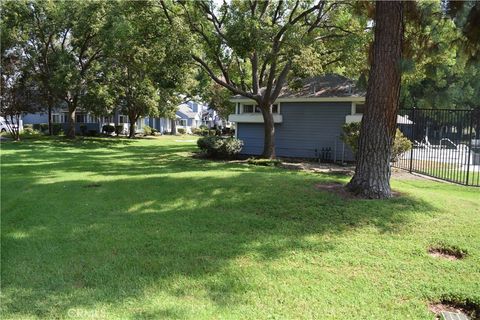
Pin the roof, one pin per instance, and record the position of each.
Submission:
(325, 86)
(186, 110)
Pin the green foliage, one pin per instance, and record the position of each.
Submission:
(181, 131)
(220, 148)
(83, 129)
(56, 128)
(108, 129)
(401, 144)
(147, 130)
(351, 134)
(30, 132)
(264, 162)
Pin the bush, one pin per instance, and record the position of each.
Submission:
(83, 129)
(351, 134)
(197, 131)
(401, 144)
(212, 132)
(204, 127)
(30, 132)
(27, 126)
(108, 129)
(181, 131)
(220, 148)
(119, 130)
(147, 130)
(92, 133)
(56, 128)
(264, 162)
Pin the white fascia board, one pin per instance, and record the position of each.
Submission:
(325, 99)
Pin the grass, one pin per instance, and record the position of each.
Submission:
(120, 229)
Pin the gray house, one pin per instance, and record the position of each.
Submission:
(94, 123)
(308, 120)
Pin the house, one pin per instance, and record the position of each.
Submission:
(89, 122)
(308, 120)
(192, 115)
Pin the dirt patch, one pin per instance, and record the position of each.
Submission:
(341, 190)
(446, 253)
(92, 185)
(468, 309)
(336, 188)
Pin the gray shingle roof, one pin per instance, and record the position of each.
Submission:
(325, 86)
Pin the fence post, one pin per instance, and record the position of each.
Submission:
(413, 138)
(469, 146)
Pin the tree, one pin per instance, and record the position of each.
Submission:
(78, 52)
(372, 173)
(146, 62)
(251, 48)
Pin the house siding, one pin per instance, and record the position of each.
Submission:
(307, 127)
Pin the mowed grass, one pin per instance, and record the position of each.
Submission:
(120, 229)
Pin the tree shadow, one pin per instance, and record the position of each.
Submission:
(170, 227)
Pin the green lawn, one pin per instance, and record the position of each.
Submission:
(119, 229)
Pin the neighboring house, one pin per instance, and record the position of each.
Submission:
(308, 121)
(91, 122)
(192, 115)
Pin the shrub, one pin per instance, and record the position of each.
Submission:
(181, 131)
(220, 148)
(30, 132)
(108, 129)
(401, 144)
(83, 129)
(197, 131)
(44, 127)
(92, 133)
(56, 128)
(147, 130)
(27, 126)
(351, 134)
(212, 132)
(204, 127)
(119, 130)
(264, 162)
(154, 131)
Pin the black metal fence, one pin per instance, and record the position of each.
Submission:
(445, 144)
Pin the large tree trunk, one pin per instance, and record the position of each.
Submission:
(269, 132)
(72, 108)
(372, 174)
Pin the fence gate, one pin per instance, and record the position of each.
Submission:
(445, 144)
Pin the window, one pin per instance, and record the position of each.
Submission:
(80, 118)
(247, 108)
(250, 108)
(55, 118)
(122, 119)
(359, 108)
(182, 122)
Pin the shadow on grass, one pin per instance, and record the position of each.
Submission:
(169, 224)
